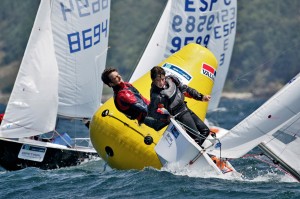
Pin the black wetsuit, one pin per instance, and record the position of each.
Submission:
(172, 99)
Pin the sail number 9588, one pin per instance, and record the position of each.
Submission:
(178, 42)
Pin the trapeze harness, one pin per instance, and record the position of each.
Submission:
(176, 104)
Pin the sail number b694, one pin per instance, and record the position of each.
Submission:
(88, 37)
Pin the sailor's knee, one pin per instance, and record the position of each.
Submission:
(205, 132)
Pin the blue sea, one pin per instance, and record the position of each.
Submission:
(96, 180)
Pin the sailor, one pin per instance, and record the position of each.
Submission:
(128, 99)
(169, 93)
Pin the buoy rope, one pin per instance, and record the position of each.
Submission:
(126, 124)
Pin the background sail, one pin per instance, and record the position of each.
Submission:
(155, 50)
(32, 107)
(254, 129)
(221, 44)
(81, 30)
(212, 25)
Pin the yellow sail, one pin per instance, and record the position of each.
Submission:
(121, 141)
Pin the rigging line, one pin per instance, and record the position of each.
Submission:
(64, 140)
(196, 133)
(268, 60)
(72, 118)
(240, 78)
(73, 126)
(220, 151)
(282, 52)
(149, 38)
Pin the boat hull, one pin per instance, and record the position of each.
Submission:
(177, 148)
(53, 158)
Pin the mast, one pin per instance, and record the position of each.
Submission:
(279, 161)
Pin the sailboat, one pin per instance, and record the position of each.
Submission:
(58, 80)
(274, 127)
(282, 146)
(211, 25)
(124, 144)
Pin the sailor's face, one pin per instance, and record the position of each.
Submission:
(115, 78)
(160, 81)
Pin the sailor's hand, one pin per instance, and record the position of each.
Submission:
(206, 98)
(163, 111)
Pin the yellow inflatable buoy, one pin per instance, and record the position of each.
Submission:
(122, 142)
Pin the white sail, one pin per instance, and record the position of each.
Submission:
(80, 30)
(155, 50)
(221, 44)
(257, 127)
(211, 24)
(284, 143)
(61, 68)
(32, 106)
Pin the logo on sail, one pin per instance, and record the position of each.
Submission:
(208, 71)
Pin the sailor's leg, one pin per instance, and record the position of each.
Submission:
(201, 127)
(155, 123)
(189, 124)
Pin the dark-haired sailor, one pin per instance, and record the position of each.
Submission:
(128, 99)
(168, 92)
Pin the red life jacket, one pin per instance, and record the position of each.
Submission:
(129, 101)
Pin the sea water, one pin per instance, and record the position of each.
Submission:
(95, 179)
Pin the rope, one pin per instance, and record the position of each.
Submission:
(64, 139)
(219, 143)
(192, 131)
(243, 76)
(258, 66)
(126, 124)
(196, 134)
(43, 136)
